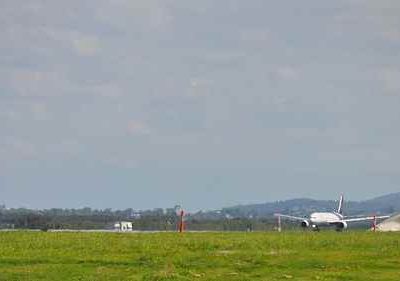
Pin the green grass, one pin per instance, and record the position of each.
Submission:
(200, 256)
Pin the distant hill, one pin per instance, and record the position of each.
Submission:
(386, 204)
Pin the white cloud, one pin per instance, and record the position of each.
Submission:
(391, 80)
(287, 73)
(110, 90)
(9, 114)
(40, 111)
(134, 15)
(87, 46)
(255, 36)
(376, 20)
(199, 87)
(65, 148)
(35, 83)
(137, 127)
(392, 34)
(15, 148)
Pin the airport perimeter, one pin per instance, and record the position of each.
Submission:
(352, 255)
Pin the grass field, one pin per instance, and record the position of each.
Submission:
(200, 256)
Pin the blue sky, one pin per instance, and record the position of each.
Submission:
(206, 103)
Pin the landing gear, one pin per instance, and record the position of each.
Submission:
(315, 228)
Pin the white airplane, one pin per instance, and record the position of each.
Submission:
(336, 219)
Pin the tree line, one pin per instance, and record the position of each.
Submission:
(156, 219)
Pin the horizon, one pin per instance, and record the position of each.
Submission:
(207, 210)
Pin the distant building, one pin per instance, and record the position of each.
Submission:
(123, 226)
(135, 215)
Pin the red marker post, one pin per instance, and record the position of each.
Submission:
(374, 223)
(181, 222)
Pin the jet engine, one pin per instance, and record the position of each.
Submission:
(341, 226)
(305, 224)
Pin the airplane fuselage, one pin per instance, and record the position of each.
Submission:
(325, 218)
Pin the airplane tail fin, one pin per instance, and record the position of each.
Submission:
(340, 207)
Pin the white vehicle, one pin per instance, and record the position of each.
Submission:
(123, 226)
(335, 219)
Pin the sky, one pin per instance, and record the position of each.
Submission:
(147, 104)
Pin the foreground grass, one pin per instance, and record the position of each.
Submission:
(200, 256)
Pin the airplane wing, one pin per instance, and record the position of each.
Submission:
(365, 218)
(290, 217)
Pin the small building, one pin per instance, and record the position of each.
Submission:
(123, 226)
(391, 224)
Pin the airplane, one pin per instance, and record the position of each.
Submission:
(336, 219)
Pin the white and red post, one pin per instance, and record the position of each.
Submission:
(279, 224)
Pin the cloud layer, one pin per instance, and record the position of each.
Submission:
(107, 103)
